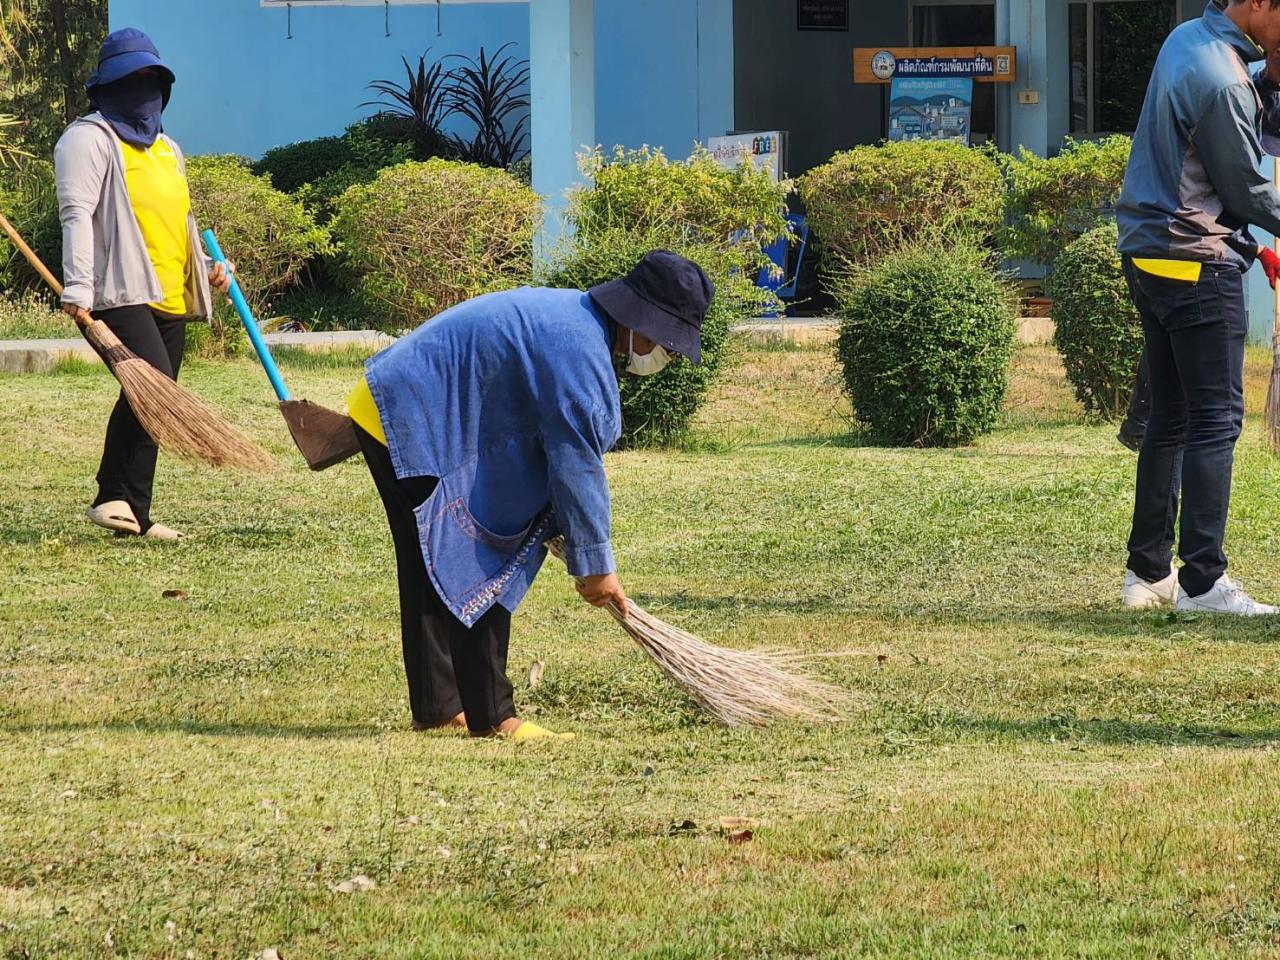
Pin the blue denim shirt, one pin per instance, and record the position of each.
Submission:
(511, 400)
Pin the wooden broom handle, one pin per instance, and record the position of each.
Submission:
(30, 254)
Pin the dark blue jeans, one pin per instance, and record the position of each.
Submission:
(1195, 336)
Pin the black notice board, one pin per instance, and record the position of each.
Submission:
(822, 14)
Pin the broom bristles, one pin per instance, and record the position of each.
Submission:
(737, 687)
(176, 419)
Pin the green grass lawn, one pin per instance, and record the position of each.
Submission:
(1031, 773)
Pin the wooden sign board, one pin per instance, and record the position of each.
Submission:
(984, 64)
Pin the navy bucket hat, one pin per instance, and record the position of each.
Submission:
(665, 297)
(124, 52)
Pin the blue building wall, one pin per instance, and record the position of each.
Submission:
(243, 87)
(664, 67)
(664, 72)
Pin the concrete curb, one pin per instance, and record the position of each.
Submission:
(41, 356)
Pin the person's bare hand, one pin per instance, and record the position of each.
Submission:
(602, 590)
(220, 276)
(80, 314)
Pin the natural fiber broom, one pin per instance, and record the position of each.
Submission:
(737, 687)
(176, 419)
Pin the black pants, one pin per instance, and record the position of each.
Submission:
(1134, 427)
(128, 467)
(1195, 336)
(450, 667)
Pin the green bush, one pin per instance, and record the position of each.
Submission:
(267, 234)
(295, 164)
(642, 201)
(33, 316)
(29, 198)
(370, 151)
(1054, 200)
(925, 340)
(870, 201)
(639, 189)
(425, 236)
(1096, 327)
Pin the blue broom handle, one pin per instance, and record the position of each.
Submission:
(246, 317)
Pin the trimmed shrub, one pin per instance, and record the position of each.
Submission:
(870, 201)
(1054, 200)
(1096, 326)
(640, 189)
(294, 164)
(717, 218)
(425, 236)
(925, 340)
(371, 149)
(267, 234)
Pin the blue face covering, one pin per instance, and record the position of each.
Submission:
(132, 105)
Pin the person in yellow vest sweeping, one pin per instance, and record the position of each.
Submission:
(130, 252)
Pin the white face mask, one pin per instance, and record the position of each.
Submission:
(646, 365)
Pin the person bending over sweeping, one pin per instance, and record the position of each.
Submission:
(130, 252)
(1193, 182)
(485, 432)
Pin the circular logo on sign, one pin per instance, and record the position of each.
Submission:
(883, 64)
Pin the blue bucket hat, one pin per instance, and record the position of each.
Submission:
(124, 52)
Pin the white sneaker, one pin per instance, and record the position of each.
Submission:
(1139, 593)
(1225, 596)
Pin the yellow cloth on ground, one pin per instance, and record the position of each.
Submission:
(1188, 270)
(161, 204)
(362, 409)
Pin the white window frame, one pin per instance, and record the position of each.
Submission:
(1090, 48)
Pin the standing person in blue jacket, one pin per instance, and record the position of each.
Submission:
(485, 431)
(1266, 80)
(1192, 188)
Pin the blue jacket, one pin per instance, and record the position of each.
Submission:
(1193, 185)
(511, 400)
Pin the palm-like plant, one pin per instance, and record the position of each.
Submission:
(425, 100)
(493, 93)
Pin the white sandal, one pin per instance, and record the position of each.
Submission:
(114, 515)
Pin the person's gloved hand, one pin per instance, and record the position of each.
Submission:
(1270, 263)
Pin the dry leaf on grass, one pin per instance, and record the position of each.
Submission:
(271, 953)
(736, 823)
(357, 884)
(536, 669)
(174, 594)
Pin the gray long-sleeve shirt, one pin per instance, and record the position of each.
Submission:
(104, 257)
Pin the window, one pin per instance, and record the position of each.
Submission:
(949, 23)
(1113, 46)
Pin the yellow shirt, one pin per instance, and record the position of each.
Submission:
(162, 204)
(362, 409)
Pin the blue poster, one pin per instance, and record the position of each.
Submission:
(926, 109)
